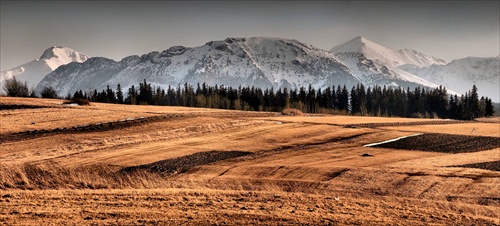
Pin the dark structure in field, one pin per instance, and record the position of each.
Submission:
(445, 143)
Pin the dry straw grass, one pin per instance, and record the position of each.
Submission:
(303, 170)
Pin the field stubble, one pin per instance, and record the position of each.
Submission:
(112, 164)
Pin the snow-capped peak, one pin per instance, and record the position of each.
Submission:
(50, 52)
(56, 56)
(360, 44)
(387, 56)
(34, 71)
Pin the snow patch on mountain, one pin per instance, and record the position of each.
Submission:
(34, 71)
(386, 56)
(459, 75)
(372, 74)
(395, 65)
(56, 56)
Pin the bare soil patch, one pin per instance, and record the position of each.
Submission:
(489, 129)
(182, 164)
(444, 143)
(495, 165)
(417, 123)
(19, 106)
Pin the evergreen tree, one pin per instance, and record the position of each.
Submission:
(311, 100)
(131, 96)
(49, 92)
(110, 95)
(453, 107)
(145, 93)
(285, 99)
(474, 103)
(78, 95)
(369, 101)
(333, 99)
(354, 101)
(489, 110)
(119, 94)
(466, 105)
(344, 99)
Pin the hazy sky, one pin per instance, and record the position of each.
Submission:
(113, 29)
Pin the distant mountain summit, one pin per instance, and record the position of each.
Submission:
(386, 60)
(386, 56)
(34, 71)
(457, 76)
(64, 55)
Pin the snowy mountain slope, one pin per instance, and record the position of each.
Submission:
(366, 71)
(412, 66)
(386, 61)
(260, 62)
(385, 56)
(459, 75)
(34, 71)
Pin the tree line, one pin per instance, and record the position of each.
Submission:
(359, 100)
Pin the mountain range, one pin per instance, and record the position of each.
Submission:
(460, 74)
(457, 76)
(263, 62)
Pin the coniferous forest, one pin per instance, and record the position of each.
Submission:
(359, 100)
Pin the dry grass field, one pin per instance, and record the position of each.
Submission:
(108, 164)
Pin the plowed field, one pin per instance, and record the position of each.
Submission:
(445, 143)
(108, 164)
(495, 165)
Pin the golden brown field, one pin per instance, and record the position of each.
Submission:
(107, 164)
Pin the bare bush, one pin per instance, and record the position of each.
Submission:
(16, 88)
(79, 101)
(292, 112)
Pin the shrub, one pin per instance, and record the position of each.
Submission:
(79, 101)
(292, 112)
(49, 92)
(16, 88)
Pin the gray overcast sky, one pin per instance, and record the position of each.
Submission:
(447, 29)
